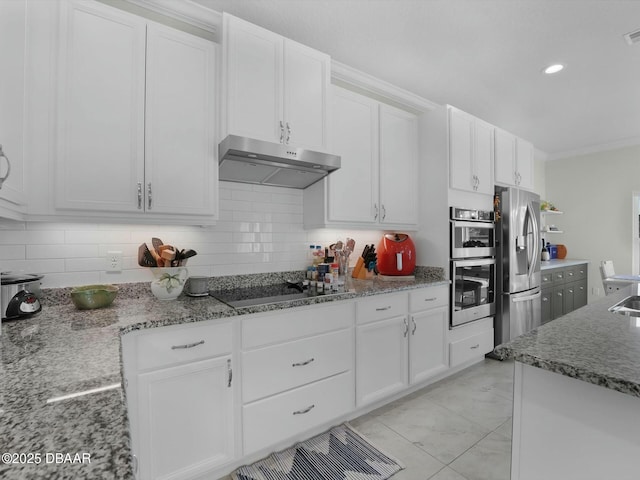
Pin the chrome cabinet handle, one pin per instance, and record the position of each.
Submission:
(384, 212)
(139, 195)
(415, 326)
(559, 294)
(149, 197)
(304, 410)
(281, 132)
(406, 327)
(302, 364)
(382, 309)
(2, 155)
(375, 206)
(188, 345)
(134, 461)
(430, 299)
(477, 345)
(288, 133)
(229, 373)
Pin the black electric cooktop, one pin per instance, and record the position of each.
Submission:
(264, 294)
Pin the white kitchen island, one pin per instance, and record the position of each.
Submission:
(576, 412)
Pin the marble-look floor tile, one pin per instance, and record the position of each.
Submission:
(438, 431)
(447, 474)
(418, 464)
(489, 459)
(505, 429)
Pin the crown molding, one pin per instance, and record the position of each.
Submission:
(603, 147)
(345, 75)
(185, 11)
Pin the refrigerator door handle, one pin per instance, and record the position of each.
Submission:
(526, 299)
(535, 250)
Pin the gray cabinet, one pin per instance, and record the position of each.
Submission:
(564, 289)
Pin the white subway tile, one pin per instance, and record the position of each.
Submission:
(62, 251)
(12, 252)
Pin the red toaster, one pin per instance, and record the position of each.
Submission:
(396, 255)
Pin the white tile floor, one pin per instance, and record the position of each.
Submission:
(456, 429)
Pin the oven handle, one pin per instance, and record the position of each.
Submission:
(470, 263)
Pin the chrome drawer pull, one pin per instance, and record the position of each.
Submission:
(477, 345)
(188, 345)
(430, 299)
(302, 364)
(303, 411)
(382, 309)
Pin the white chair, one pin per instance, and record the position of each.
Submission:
(610, 284)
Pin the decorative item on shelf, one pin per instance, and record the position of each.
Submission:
(546, 206)
(496, 209)
(168, 282)
(89, 297)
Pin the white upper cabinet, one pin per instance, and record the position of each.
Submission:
(275, 89)
(136, 128)
(376, 185)
(13, 21)
(470, 152)
(513, 160)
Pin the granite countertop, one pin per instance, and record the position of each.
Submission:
(557, 263)
(63, 351)
(590, 344)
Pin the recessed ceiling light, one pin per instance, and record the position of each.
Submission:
(553, 68)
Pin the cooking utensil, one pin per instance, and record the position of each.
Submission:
(145, 259)
(157, 243)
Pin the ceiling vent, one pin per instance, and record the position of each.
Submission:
(632, 37)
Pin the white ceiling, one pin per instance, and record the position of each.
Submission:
(485, 57)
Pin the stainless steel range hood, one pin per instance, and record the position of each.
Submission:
(248, 160)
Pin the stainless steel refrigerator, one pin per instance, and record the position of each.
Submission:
(518, 252)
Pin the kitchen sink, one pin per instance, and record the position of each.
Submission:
(629, 306)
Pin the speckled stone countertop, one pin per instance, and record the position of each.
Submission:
(590, 344)
(557, 263)
(63, 351)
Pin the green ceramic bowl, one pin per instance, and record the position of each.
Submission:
(93, 296)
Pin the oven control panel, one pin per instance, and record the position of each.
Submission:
(471, 215)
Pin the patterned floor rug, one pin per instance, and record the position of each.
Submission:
(339, 454)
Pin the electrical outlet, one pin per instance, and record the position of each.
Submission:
(114, 261)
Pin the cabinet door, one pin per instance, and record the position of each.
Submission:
(428, 344)
(353, 189)
(398, 166)
(505, 157)
(381, 359)
(569, 294)
(254, 80)
(180, 167)
(13, 18)
(546, 306)
(483, 156)
(524, 163)
(101, 106)
(580, 294)
(186, 419)
(557, 302)
(461, 172)
(306, 92)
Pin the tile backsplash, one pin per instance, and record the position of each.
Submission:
(260, 230)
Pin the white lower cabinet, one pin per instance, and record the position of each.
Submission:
(407, 347)
(470, 342)
(181, 400)
(297, 372)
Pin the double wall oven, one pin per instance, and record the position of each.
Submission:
(473, 265)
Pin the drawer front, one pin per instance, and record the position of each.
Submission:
(271, 370)
(378, 307)
(426, 298)
(276, 418)
(572, 274)
(470, 347)
(286, 325)
(168, 346)
(559, 276)
(546, 277)
(580, 272)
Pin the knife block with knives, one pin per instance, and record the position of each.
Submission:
(366, 264)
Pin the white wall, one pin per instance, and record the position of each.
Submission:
(595, 193)
(260, 230)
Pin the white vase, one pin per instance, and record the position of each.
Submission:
(168, 282)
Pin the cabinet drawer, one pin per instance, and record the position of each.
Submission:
(470, 347)
(286, 325)
(169, 345)
(381, 306)
(559, 276)
(577, 272)
(282, 367)
(546, 277)
(426, 298)
(276, 418)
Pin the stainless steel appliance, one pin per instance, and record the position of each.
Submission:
(248, 160)
(265, 294)
(518, 267)
(473, 265)
(19, 295)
